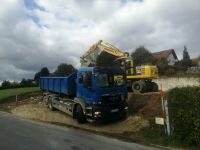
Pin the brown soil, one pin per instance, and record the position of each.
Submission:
(148, 105)
(40, 112)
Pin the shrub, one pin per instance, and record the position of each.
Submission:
(184, 112)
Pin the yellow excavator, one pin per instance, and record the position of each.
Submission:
(138, 78)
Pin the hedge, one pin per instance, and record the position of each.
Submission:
(184, 113)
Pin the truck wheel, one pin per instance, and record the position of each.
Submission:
(154, 87)
(79, 114)
(50, 106)
(45, 100)
(138, 86)
(148, 85)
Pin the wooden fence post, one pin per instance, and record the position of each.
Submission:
(16, 100)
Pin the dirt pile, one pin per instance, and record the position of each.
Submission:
(147, 105)
(39, 112)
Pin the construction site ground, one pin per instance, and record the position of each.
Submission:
(143, 108)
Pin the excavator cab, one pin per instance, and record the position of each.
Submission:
(127, 65)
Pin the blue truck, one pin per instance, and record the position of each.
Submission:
(89, 94)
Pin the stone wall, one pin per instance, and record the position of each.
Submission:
(168, 83)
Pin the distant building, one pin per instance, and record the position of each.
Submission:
(196, 61)
(168, 55)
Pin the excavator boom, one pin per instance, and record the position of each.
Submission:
(90, 56)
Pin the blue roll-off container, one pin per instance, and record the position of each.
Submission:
(59, 85)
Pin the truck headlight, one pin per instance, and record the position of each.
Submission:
(97, 113)
(126, 108)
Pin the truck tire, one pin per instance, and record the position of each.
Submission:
(148, 85)
(138, 86)
(50, 106)
(154, 87)
(79, 114)
(45, 100)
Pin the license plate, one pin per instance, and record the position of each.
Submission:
(114, 110)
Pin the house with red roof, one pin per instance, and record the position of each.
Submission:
(196, 61)
(169, 55)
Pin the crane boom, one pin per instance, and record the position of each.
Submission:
(90, 56)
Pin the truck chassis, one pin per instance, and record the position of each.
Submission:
(76, 108)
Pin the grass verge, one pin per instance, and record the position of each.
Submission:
(17, 91)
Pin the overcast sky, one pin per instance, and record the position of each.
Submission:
(37, 33)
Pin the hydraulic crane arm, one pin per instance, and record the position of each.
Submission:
(90, 56)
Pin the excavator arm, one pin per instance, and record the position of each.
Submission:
(90, 56)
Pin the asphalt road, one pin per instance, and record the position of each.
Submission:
(21, 134)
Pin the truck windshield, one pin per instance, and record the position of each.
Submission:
(107, 80)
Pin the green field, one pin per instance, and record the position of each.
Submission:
(17, 91)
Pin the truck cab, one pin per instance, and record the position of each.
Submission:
(103, 92)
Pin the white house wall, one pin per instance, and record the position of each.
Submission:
(171, 60)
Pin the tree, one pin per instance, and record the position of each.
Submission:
(142, 56)
(43, 72)
(5, 84)
(15, 84)
(162, 65)
(26, 82)
(105, 59)
(186, 61)
(37, 77)
(64, 69)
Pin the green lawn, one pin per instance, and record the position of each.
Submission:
(13, 92)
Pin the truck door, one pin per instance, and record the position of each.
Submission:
(84, 86)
